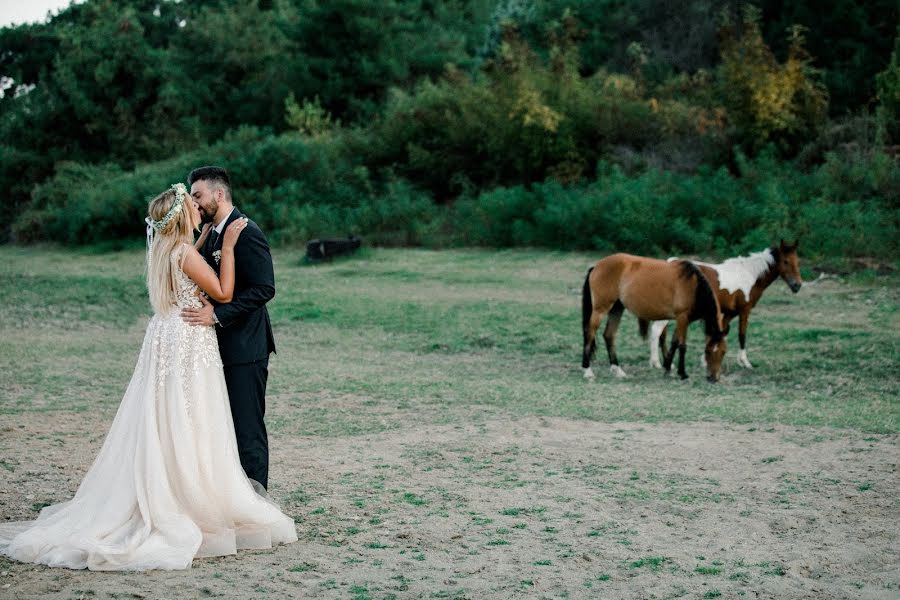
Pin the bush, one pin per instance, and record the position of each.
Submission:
(295, 188)
(299, 188)
(400, 216)
(888, 83)
(769, 102)
(525, 119)
(846, 208)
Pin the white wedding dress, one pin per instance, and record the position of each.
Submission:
(167, 485)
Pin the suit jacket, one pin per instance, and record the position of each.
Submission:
(244, 330)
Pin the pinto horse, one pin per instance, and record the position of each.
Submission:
(739, 283)
(653, 290)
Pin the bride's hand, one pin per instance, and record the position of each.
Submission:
(232, 232)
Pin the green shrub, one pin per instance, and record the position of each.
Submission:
(845, 208)
(856, 228)
(888, 84)
(295, 188)
(769, 102)
(525, 119)
(298, 188)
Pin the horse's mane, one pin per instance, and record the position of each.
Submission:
(706, 306)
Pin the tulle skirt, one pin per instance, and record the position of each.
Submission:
(167, 485)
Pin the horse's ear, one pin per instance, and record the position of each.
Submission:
(782, 244)
(796, 243)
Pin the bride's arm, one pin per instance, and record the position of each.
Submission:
(204, 233)
(218, 288)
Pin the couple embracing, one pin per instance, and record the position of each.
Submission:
(183, 469)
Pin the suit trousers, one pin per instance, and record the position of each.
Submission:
(247, 394)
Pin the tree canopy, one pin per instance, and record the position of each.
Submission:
(448, 97)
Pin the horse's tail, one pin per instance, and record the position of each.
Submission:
(587, 307)
(643, 328)
(706, 304)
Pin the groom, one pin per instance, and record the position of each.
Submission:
(242, 326)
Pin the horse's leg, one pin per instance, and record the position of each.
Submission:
(657, 342)
(590, 341)
(662, 339)
(679, 341)
(670, 355)
(742, 337)
(609, 336)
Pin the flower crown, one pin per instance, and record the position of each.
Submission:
(180, 193)
(154, 227)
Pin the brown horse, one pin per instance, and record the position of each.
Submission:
(653, 290)
(739, 284)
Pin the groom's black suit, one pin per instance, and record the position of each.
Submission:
(246, 340)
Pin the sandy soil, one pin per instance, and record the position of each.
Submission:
(533, 507)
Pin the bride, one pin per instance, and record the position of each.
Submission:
(167, 485)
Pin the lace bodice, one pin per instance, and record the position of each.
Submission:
(188, 348)
(186, 290)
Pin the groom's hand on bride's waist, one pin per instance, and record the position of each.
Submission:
(202, 316)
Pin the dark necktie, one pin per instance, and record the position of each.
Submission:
(213, 237)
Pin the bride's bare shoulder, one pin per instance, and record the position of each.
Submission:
(189, 257)
(187, 249)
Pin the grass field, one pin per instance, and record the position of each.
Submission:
(433, 437)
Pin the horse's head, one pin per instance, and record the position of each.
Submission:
(714, 353)
(789, 265)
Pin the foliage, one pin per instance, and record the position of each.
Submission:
(350, 52)
(889, 94)
(855, 212)
(310, 118)
(296, 188)
(672, 37)
(656, 213)
(768, 101)
(140, 80)
(566, 123)
(710, 213)
(525, 119)
(850, 41)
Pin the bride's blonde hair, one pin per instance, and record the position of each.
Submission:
(165, 250)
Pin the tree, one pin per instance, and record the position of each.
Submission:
(766, 100)
(851, 41)
(888, 82)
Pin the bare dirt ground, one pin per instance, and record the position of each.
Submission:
(534, 507)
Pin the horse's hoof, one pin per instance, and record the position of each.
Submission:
(617, 371)
(588, 374)
(683, 376)
(655, 365)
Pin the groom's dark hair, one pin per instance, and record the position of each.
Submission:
(213, 175)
